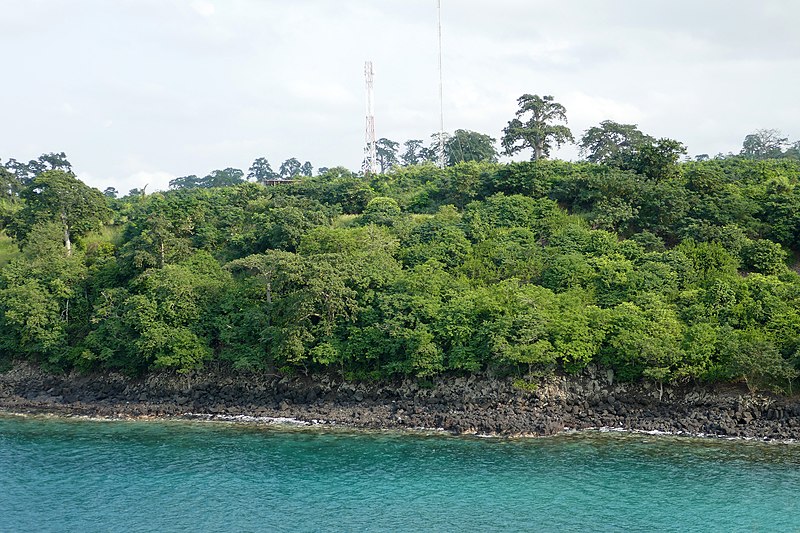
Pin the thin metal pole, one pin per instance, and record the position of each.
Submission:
(372, 160)
(441, 91)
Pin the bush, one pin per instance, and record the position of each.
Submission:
(764, 256)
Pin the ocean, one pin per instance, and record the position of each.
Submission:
(69, 474)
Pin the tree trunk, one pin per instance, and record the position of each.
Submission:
(67, 241)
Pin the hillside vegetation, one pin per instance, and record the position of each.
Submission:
(681, 272)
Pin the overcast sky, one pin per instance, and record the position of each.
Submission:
(140, 91)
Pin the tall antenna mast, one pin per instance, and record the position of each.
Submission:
(441, 91)
(372, 158)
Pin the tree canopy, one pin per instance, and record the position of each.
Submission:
(535, 127)
(657, 268)
(610, 142)
(58, 197)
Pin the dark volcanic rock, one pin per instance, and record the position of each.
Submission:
(476, 404)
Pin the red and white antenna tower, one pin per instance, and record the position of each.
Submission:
(372, 158)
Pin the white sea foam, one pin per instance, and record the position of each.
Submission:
(272, 420)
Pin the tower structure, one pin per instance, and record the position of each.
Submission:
(372, 158)
(441, 90)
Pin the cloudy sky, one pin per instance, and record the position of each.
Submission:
(140, 91)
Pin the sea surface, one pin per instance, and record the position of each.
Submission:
(60, 474)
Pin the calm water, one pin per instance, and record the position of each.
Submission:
(77, 475)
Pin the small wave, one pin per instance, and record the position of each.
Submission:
(272, 420)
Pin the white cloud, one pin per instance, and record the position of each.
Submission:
(68, 109)
(154, 181)
(204, 8)
(321, 92)
(194, 85)
(584, 108)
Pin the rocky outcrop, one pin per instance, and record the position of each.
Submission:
(462, 405)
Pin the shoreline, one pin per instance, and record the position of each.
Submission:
(283, 423)
(475, 405)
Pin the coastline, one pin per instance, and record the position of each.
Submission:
(475, 405)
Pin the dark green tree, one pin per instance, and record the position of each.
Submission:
(608, 142)
(764, 144)
(466, 145)
(539, 130)
(386, 152)
(261, 171)
(223, 178)
(182, 182)
(57, 196)
(657, 160)
(413, 152)
(25, 172)
(9, 185)
(793, 152)
(382, 211)
(290, 168)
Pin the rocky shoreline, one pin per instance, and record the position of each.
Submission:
(459, 405)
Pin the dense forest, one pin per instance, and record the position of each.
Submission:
(635, 259)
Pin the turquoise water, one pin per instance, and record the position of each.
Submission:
(83, 476)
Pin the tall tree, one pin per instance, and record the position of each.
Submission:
(9, 185)
(413, 152)
(25, 172)
(793, 152)
(386, 152)
(290, 168)
(307, 169)
(607, 142)
(261, 171)
(51, 161)
(764, 144)
(223, 178)
(58, 196)
(466, 145)
(184, 182)
(538, 131)
(657, 160)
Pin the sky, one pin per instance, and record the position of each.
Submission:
(138, 92)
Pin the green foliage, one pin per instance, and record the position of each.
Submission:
(644, 341)
(764, 256)
(8, 251)
(59, 197)
(337, 187)
(382, 211)
(541, 216)
(665, 271)
(708, 261)
(656, 160)
(537, 132)
(752, 356)
(504, 254)
(764, 144)
(611, 142)
(529, 386)
(466, 145)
